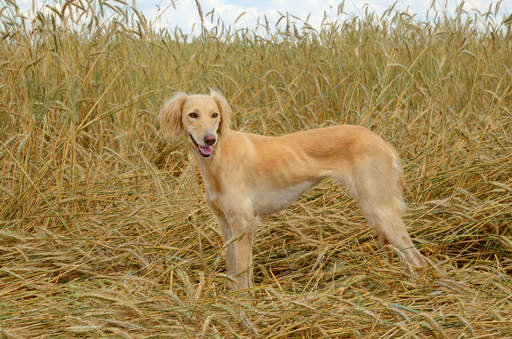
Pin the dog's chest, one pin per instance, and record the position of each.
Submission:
(266, 201)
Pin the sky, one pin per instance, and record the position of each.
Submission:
(184, 13)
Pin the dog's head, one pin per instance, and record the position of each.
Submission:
(201, 118)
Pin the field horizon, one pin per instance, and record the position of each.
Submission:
(103, 228)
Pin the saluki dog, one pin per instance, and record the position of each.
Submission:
(248, 175)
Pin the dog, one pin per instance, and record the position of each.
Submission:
(248, 175)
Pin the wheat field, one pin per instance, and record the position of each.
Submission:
(103, 227)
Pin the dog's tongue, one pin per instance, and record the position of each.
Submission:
(206, 150)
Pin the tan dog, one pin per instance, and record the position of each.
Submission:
(248, 175)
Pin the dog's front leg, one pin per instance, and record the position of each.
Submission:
(239, 239)
(238, 235)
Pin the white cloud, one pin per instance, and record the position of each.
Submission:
(186, 17)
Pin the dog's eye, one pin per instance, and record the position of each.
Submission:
(193, 115)
(214, 115)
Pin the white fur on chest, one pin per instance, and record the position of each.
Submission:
(266, 201)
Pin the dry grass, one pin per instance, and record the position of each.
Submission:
(103, 230)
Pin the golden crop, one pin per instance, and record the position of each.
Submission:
(103, 228)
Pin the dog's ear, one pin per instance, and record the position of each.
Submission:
(224, 108)
(170, 116)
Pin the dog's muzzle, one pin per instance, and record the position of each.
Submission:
(205, 151)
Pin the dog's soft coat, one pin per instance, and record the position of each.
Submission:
(248, 175)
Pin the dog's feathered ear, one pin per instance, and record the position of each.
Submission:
(224, 108)
(170, 116)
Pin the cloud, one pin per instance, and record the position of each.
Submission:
(185, 13)
(244, 13)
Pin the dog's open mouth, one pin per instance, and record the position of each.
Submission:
(205, 151)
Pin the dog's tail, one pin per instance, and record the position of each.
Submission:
(398, 176)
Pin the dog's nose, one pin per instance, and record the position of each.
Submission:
(209, 140)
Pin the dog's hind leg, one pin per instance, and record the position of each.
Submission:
(376, 184)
